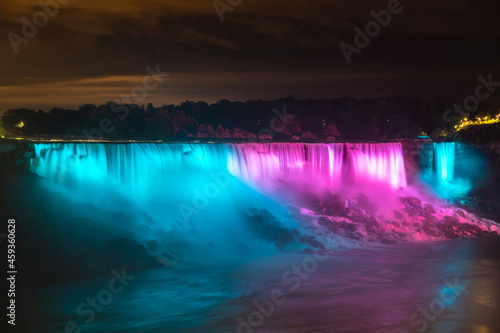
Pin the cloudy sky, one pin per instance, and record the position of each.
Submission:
(95, 51)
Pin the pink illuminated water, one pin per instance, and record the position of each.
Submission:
(261, 163)
(378, 162)
(321, 164)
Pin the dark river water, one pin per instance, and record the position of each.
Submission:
(445, 286)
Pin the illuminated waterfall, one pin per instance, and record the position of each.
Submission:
(378, 162)
(444, 157)
(165, 188)
(262, 163)
(138, 167)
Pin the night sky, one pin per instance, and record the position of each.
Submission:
(94, 51)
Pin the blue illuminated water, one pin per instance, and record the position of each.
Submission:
(444, 157)
(370, 290)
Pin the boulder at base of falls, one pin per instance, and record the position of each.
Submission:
(398, 215)
(332, 226)
(429, 208)
(412, 202)
(335, 206)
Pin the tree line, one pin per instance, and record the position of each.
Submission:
(287, 119)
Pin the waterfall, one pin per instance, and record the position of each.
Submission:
(139, 167)
(198, 194)
(262, 163)
(444, 157)
(378, 162)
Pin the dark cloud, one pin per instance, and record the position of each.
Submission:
(261, 50)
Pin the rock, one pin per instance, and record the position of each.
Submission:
(399, 235)
(398, 215)
(429, 208)
(472, 229)
(428, 230)
(329, 196)
(348, 226)
(332, 226)
(414, 202)
(461, 213)
(267, 215)
(451, 235)
(423, 213)
(324, 221)
(271, 231)
(412, 212)
(256, 220)
(374, 227)
(396, 224)
(357, 215)
(283, 238)
(406, 224)
(443, 226)
(451, 219)
(431, 219)
(315, 206)
(312, 242)
(335, 207)
(355, 236)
